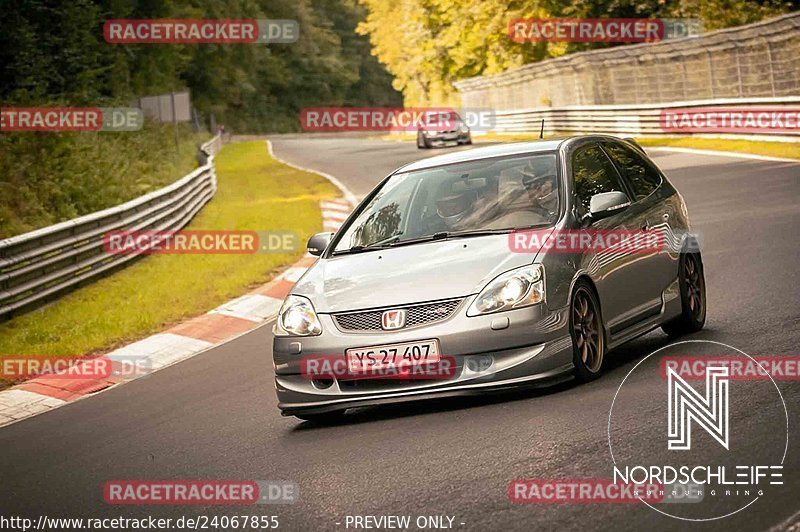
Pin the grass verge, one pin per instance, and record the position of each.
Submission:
(255, 193)
(790, 150)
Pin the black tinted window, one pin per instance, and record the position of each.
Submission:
(593, 173)
(641, 175)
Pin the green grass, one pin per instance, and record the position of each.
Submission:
(255, 193)
(789, 150)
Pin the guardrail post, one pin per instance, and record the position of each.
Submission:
(711, 80)
(771, 66)
(739, 70)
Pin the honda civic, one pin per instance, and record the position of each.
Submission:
(508, 265)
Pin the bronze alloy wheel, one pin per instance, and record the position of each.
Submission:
(695, 286)
(588, 337)
(693, 297)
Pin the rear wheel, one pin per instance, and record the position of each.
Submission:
(692, 285)
(586, 329)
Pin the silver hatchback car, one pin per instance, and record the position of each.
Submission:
(489, 268)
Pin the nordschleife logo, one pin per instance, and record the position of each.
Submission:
(685, 405)
(711, 445)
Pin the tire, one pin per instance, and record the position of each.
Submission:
(322, 419)
(692, 283)
(468, 142)
(588, 333)
(422, 142)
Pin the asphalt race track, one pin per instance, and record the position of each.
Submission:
(215, 417)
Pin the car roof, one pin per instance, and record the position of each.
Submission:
(498, 150)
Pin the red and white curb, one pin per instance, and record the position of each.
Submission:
(181, 342)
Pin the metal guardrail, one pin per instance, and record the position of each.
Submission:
(44, 264)
(212, 147)
(634, 119)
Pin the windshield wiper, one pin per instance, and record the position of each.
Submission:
(485, 232)
(478, 232)
(394, 241)
(380, 244)
(444, 235)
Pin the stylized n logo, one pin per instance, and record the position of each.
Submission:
(686, 404)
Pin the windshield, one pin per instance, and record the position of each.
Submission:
(493, 195)
(450, 118)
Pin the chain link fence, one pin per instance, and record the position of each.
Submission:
(757, 60)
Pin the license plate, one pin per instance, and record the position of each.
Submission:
(392, 356)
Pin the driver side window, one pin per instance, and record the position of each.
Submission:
(643, 178)
(593, 173)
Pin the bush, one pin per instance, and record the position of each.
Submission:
(47, 178)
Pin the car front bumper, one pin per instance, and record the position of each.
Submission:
(443, 139)
(513, 348)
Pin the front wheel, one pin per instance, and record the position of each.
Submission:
(588, 336)
(692, 283)
(422, 142)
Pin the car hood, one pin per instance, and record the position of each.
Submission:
(426, 271)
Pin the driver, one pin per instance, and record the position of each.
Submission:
(542, 188)
(453, 209)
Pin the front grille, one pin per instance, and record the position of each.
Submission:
(416, 315)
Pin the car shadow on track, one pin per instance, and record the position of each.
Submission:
(616, 365)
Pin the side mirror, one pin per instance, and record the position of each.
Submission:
(607, 204)
(317, 243)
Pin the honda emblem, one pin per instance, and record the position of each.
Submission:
(393, 319)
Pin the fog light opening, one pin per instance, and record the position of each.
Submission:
(479, 363)
(322, 384)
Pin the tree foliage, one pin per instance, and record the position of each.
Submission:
(428, 44)
(53, 52)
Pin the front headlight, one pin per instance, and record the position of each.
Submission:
(463, 128)
(518, 288)
(297, 318)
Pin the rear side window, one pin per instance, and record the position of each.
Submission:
(593, 174)
(641, 175)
